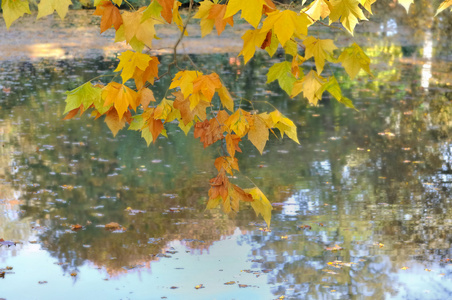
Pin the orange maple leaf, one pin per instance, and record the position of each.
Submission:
(210, 131)
(155, 125)
(121, 96)
(232, 144)
(144, 97)
(219, 186)
(207, 84)
(227, 163)
(110, 16)
(167, 11)
(217, 13)
(149, 74)
(183, 105)
(114, 122)
(72, 113)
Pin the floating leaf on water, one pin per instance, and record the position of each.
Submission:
(112, 226)
(42, 282)
(199, 286)
(335, 248)
(229, 283)
(243, 285)
(73, 274)
(304, 227)
(174, 287)
(76, 227)
(404, 268)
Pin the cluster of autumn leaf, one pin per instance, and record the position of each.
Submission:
(193, 102)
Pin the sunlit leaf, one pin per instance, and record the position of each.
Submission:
(261, 205)
(13, 9)
(47, 7)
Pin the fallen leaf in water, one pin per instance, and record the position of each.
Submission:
(243, 285)
(174, 287)
(428, 270)
(2, 274)
(304, 227)
(229, 283)
(76, 227)
(199, 286)
(265, 229)
(73, 274)
(335, 248)
(42, 282)
(404, 268)
(112, 226)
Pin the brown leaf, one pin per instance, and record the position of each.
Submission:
(112, 226)
(76, 227)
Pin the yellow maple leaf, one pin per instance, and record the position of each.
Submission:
(261, 205)
(137, 33)
(321, 50)
(203, 14)
(348, 12)
(311, 85)
(285, 24)
(238, 122)
(443, 6)
(367, 4)
(251, 10)
(12, 10)
(225, 98)
(251, 39)
(258, 132)
(406, 4)
(184, 80)
(129, 61)
(121, 96)
(47, 7)
(354, 59)
(177, 18)
(318, 9)
(285, 125)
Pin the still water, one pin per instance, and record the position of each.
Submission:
(362, 206)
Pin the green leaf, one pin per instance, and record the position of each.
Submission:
(152, 11)
(271, 49)
(137, 123)
(261, 205)
(85, 95)
(282, 72)
(147, 135)
(347, 102)
(13, 9)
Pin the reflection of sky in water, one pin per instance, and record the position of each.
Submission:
(391, 27)
(222, 263)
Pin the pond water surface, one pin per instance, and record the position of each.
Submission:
(362, 206)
